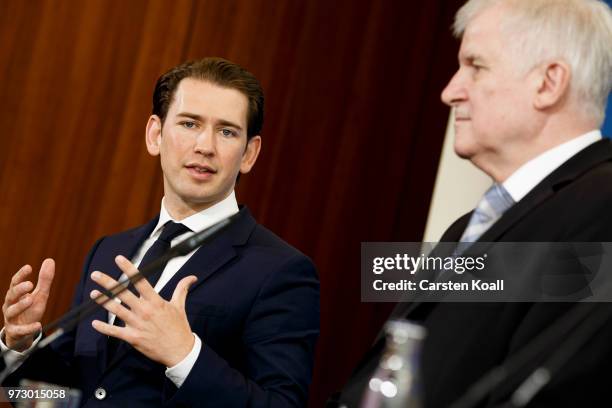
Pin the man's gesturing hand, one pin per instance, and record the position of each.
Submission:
(157, 328)
(23, 307)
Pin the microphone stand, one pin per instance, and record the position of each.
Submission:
(73, 317)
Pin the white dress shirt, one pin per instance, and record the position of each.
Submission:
(196, 222)
(523, 180)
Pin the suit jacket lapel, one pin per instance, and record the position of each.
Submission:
(210, 258)
(126, 245)
(514, 215)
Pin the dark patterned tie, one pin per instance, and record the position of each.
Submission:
(159, 247)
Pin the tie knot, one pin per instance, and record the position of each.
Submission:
(172, 230)
(490, 209)
(497, 199)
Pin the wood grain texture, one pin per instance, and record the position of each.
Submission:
(351, 141)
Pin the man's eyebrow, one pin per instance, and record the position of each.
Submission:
(190, 116)
(470, 58)
(224, 122)
(195, 116)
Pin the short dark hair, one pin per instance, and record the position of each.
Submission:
(219, 72)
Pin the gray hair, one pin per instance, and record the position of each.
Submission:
(577, 31)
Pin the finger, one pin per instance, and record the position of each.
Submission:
(107, 282)
(45, 276)
(20, 275)
(143, 286)
(180, 292)
(109, 329)
(21, 330)
(16, 308)
(16, 292)
(114, 307)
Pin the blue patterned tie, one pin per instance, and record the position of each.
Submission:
(490, 209)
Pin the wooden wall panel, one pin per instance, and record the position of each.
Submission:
(77, 79)
(352, 136)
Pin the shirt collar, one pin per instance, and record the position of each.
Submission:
(523, 180)
(204, 219)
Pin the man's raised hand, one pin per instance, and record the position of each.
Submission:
(24, 305)
(157, 328)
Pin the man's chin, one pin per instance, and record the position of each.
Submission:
(205, 200)
(195, 200)
(463, 151)
(195, 197)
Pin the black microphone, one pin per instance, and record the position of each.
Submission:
(73, 317)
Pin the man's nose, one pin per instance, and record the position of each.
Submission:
(205, 142)
(454, 92)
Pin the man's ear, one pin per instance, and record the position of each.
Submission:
(553, 84)
(153, 135)
(250, 154)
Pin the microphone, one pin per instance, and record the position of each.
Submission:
(73, 317)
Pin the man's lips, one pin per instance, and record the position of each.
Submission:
(461, 115)
(201, 172)
(200, 168)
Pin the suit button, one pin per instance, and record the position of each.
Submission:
(100, 393)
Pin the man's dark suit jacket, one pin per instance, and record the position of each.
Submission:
(255, 307)
(466, 340)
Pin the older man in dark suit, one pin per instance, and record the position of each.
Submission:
(528, 99)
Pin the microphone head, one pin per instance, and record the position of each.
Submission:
(199, 238)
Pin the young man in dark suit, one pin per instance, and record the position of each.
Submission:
(232, 324)
(528, 99)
